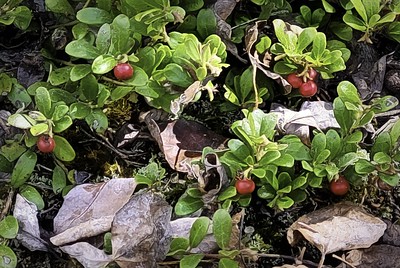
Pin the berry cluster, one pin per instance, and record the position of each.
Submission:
(306, 85)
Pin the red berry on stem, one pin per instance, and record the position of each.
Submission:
(312, 74)
(294, 80)
(245, 186)
(123, 71)
(340, 186)
(308, 89)
(46, 144)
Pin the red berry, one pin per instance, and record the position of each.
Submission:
(46, 144)
(123, 71)
(245, 186)
(312, 74)
(308, 89)
(294, 80)
(340, 186)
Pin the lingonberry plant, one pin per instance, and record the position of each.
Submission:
(90, 58)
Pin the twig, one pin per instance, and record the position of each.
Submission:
(294, 259)
(7, 205)
(343, 260)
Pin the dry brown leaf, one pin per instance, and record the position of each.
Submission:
(316, 114)
(90, 203)
(88, 255)
(343, 226)
(141, 231)
(28, 233)
(377, 256)
(262, 65)
(182, 141)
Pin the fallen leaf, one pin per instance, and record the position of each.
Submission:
(343, 226)
(262, 65)
(87, 209)
(182, 141)
(88, 255)
(28, 233)
(377, 256)
(141, 231)
(316, 114)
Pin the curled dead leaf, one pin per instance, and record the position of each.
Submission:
(343, 226)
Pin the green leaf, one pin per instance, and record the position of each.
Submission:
(364, 167)
(264, 43)
(139, 77)
(266, 192)
(120, 92)
(60, 111)
(89, 87)
(392, 180)
(103, 39)
(43, 101)
(354, 22)
(343, 116)
(59, 180)
(227, 193)
(79, 71)
(383, 143)
(59, 6)
(393, 30)
(38, 129)
(23, 168)
(79, 110)
(227, 263)
(342, 30)
(198, 231)
(60, 76)
(9, 228)
(187, 205)
(121, 40)
(103, 64)
(361, 9)
(222, 228)
(190, 5)
(18, 96)
(328, 7)
(179, 245)
(32, 195)
(5, 165)
(206, 23)
(190, 261)
(318, 144)
(333, 143)
(97, 120)
(82, 49)
(5, 83)
(63, 150)
(319, 46)
(8, 259)
(322, 156)
(382, 158)
(22, 17)
(284, 202)
(177, 75)
(279, 27)
(93, 16)
(305, 38)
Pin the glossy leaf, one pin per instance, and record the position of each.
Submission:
(198, 231)
(59, 180)
(23, 168)
(222, 228)
(93, 16)
(63, 150)
(32, 195)
(9, 227)
(8, 259)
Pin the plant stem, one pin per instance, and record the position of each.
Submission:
(105, 78)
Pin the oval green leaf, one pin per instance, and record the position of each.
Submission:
(32, 195)
(9, 227)
(63, 150)
(222, 228)
(23, 168)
